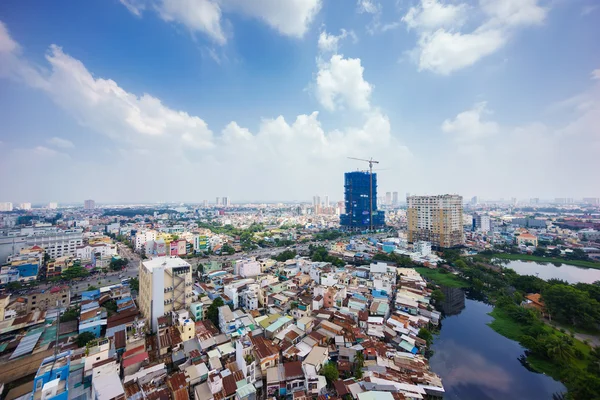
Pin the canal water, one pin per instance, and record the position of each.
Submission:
(477, 363)
(569, 273)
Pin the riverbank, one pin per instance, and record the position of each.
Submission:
(531, 257)
(514, 330)
(442, 278)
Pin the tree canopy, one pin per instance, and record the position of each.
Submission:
(212, 313)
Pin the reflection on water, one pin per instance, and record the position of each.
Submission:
(569, 273)
(477, 363)
(454, 300)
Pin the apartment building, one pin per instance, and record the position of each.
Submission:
(103, 249)
(436, 219)
(58, 244)
(140, 239)
(165, 286)
(6, 206)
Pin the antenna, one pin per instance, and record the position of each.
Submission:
(371, 162)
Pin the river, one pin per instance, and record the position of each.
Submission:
(569, 273)
(477, 363)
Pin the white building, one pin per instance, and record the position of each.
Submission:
(52, 206)
(6, 206)
(246, 267)
(423, 248)
(25, 206)
(482, 223)
(104, 249)
(140, 239)
(165, 286)
(59, 244)
(226, 319)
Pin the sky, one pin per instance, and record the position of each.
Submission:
(265, 100)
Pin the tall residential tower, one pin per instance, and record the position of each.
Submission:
(436, 219)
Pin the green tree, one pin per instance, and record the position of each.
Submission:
(559, 348)
(111, 307)
(84, 338)
(14, 285)
(118, 264)
(426, 335)
(285, 255)
(70, 315)
(438, 296)
(359, 362)
(134, 284)
(330, 372)
(227, 249)
(212, 313)
(92, 287)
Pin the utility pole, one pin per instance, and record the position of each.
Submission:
(371, 162)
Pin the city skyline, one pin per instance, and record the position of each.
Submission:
(268, 101)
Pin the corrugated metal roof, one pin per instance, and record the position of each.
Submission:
(27, 344)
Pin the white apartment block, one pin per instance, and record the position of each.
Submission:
(58, 244)
(25, 206)
(436, 219)
(246, 268)
(141, 238)
(104, 249)
(6, 206)
(165, 286)
(52, 206)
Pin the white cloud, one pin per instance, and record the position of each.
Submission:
(368, 6)
(443, 48)
(197, 15)
(7, 44)
(147, 132)
(596, 74)
(62, 143)
(444, 52)
(468, 126)
(431, 15)
(290, 17)
(136, 7)
(513, 12)
(330, 42)
(340, 83)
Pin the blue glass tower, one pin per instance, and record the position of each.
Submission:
(360, 194)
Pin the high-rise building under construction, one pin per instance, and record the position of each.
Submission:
(360, 200)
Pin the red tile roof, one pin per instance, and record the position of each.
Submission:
(138, 358)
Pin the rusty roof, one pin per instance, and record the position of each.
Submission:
(120, 339)
(177, 381)
(293, 370)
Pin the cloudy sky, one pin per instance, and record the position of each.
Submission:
(185, 100)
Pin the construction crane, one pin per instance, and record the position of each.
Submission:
(371, 162)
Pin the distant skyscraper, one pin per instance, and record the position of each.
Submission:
(534, 200)
(226, 201)
(360, 197)
(89, 205)
(395, 199)
(474, 200)
(316, 201)
(52, 206)
(436, 219)
(592, 200)
(25, 206)
(326, 201)
(218, 201)
(6, 206)
(205, 204)
(388, 198)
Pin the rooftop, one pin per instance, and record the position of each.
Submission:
(165, 262)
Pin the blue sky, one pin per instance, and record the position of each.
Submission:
(185, 100)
